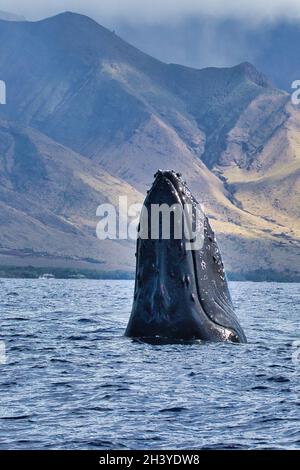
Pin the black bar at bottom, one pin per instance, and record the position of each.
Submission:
(135, 459)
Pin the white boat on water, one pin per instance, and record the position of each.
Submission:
(46, 276)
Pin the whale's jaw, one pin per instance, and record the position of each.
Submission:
(181, 290)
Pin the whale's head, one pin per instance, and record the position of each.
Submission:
(181, 290)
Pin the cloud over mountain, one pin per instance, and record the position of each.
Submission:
(149, 10)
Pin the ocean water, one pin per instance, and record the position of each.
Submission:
(73, 381)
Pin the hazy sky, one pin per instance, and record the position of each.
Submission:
(155, 10)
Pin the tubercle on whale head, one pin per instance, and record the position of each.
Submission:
(174, 178)
(178, 185)
(172, 188)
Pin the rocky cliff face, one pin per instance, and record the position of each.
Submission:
(89, 117)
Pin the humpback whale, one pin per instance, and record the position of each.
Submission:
(181, 290)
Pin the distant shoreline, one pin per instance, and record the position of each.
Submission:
(31, 272)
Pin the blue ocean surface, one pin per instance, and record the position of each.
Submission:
(73, 381)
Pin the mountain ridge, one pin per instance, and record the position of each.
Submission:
(203, 41)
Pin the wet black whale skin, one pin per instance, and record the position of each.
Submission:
(181, 294)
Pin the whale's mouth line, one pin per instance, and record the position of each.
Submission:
(193, 252)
